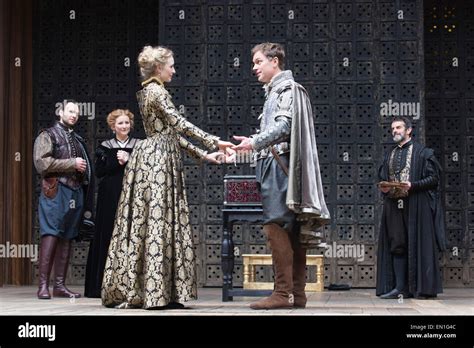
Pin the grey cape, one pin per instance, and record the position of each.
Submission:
(305, 194)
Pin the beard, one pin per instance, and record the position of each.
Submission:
(67, 123)
(398, 138)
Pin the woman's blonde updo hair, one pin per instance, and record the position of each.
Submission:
(150, 57)
(112, 117)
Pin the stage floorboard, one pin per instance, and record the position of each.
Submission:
(21, 300)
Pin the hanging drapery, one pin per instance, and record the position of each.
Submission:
(16, 116)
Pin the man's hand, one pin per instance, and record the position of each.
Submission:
(406, 185)
(245, 144)
(384, 189)
(81, 164)
(223, 145)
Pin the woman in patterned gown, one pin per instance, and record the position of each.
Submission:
(151, 261)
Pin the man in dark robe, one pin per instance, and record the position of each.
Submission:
(287, 170)
(412, 231)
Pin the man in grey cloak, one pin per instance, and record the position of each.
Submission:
(288, 174)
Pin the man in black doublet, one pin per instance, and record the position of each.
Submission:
(412, 231)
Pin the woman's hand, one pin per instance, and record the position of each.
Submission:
(230, 156)
(227, 156)
(215, 157)
(122, 157)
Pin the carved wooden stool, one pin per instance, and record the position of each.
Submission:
(252, 260)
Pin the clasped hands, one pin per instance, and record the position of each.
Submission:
(225, 154)
(228, 151)
(122, 157)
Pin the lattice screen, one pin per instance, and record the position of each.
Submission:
(449, 51)
(352, 56)
(87, 50)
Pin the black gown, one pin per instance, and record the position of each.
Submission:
(110, 173)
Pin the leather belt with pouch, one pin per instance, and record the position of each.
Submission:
(49, 186)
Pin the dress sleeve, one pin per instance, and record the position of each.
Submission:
(193, 150)
(159, 99)
(43, 158)
(105, 162)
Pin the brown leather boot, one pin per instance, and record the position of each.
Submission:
(299, 276)
(282, 257)
(46, 259)
(61, 263)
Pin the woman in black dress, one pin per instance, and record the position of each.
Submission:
(111, 158)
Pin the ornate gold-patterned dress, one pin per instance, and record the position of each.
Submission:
(151, 259)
